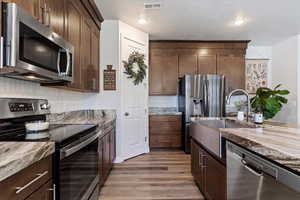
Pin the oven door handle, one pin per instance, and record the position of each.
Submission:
(69, 151)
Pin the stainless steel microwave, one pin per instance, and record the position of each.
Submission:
(31, 50)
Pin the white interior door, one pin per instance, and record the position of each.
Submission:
(134, 105)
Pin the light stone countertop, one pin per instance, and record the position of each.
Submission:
(163, 111)
(280, 144)
(15, 156)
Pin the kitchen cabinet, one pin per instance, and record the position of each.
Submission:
(163, 74)
(230, 66)
(54, 15)
(94, 71)
(44, 193)
(207, 64)
(171, 60)
(208, 172)
(107, 152)
(73, 31)
(165, 131)
(187, 64)
(31, 183)
(33, 7)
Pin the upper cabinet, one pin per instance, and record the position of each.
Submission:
(163, 73)
(171, 60)
(79, 22)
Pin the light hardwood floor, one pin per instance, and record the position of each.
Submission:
(159, 175)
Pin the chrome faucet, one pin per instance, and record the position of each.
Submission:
(248, 100)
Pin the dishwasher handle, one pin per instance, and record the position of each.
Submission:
(252, 169)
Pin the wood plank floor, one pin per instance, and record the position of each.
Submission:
(159, 175)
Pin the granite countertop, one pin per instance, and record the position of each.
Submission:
(280, 144)
(15, 156)
(163, 111)
(97, 117)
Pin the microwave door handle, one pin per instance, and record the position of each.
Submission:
(68, 62)
(58, 62)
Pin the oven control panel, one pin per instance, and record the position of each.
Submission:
(20, 107)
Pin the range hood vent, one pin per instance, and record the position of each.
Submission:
(152, 5)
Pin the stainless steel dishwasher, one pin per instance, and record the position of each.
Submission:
(250, 177)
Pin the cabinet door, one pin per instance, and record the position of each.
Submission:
(85, 60)
(101, 163)
(34, 7)
(164, 74)
(44, 193)
(233, 67)
(73, 22)
(94, 75)
(207, 64)
(215, 179)
(112, 146)
(187, 65)
(54, 15)
(106, 159)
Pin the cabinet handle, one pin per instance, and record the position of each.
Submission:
(39, 176)
(54, 191)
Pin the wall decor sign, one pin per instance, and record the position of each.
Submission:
(256, 74)
(109, 80)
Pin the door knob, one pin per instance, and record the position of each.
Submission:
(126, 114)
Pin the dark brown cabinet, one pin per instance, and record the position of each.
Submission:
(54, 15)
(208, 173)
(35, 182)
(164, 73)
(73, 31)
(165, 131)
(171, 60)
(107, 153)
(44, 193)
(187, 64)
(230, 66)
(207, 64)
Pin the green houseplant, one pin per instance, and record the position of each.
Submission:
(269, 102)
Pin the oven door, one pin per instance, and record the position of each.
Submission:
(33, 48)
(79, 169)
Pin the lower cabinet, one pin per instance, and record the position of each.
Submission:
(208, 173)
(44, 193)
(107, 155)
(31, 183)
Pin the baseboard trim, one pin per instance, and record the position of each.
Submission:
(118, 160)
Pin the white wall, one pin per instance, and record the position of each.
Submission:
(60, 100)
(284, 71)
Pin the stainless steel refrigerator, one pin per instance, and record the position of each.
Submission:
(200, 95)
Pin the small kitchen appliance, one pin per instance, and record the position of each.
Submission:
(76, 169)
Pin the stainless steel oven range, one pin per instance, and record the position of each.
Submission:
(75, 166)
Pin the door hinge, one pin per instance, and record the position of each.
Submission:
(146, 139)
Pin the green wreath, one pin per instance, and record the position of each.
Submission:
(139, 74)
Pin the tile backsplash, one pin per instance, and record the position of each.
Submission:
(60, 100)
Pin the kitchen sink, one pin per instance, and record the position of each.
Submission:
(206, 131)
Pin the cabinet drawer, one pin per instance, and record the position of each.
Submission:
(165, 127)
(165, 118)
(165, 141)
(27, 181)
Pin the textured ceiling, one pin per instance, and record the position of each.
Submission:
(267, 21)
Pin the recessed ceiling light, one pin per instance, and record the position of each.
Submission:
(239, 22)
(142, 21)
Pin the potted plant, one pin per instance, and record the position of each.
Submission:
(267, 102)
